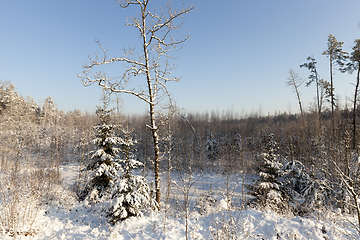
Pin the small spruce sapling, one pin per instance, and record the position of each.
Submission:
(131, 194)
(104, 164)
(211, 148)
(295, 177)
(298, 183)
(317, 190)
(268, 190)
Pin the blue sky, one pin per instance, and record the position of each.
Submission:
(236, 59)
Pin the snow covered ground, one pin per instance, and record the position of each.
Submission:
(66, 218)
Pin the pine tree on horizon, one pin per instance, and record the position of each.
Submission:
(336, 57)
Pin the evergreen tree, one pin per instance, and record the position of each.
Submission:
(131, 194)
(313, 77)
(104, 164)
(211, 148)
(269, 191)
(11, 103)
(295, 177)
(313, 187)
(49, 111)
(336, 57)
(354, 65)
(316, 191)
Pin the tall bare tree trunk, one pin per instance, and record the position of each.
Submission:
(156, 159)
(155, 30)
(295, 81)
(355, 103)
(332, 98)
(152, 96)
(336, 56)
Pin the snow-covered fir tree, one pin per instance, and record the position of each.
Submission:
(104, 164)
(49, 111)
(317, 191)
(268, 189)
(131, 194)
(211, 148)
(295, 177)
(297, 182)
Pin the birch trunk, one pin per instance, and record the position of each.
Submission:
(155, 31)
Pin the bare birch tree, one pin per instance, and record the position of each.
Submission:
(295, 82)
(156, 28)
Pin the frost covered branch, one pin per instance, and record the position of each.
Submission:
(348, 180)
(156, 31)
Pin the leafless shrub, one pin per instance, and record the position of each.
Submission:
(187, 189)
(22, 194)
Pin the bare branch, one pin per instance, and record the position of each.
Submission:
(167, 21)
(126, 3)
(155, 30)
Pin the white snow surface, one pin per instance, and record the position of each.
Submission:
(75, 220)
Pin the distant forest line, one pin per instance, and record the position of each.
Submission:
(209, 142)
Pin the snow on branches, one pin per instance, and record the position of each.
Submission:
(112, 177)
(131, 194)
(268, 189)
(104, 165)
